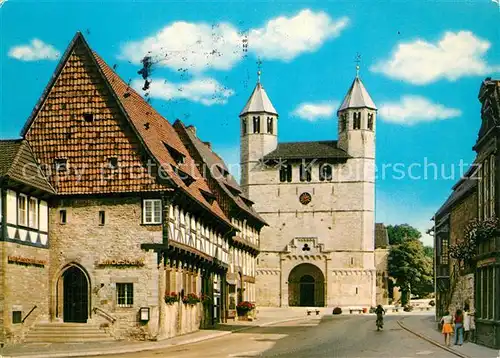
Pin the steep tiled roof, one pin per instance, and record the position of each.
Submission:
(381, 236)
(308, 150)
(218, 169)
(357, 97)
(18, 163)
(258, 102)
(153, 132)
(159, 132)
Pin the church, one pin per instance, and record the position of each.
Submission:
(318, 198)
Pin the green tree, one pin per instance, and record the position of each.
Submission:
(398, 233)
(410, 263)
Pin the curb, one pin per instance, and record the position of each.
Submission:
(151, 347)
(430, 340)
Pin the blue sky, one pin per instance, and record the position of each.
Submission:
(421, 61)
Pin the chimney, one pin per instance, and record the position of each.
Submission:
(192, 129)
(208, 144)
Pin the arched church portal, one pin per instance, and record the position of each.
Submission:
(306, 286)
(74, 284)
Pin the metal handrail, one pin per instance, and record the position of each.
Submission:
(106, 314)
(24, 319)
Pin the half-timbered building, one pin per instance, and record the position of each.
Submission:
(244, 246)
(137, 237)
(24, 238)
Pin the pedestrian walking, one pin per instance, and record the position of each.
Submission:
(459, 327)
(467, 321)
(447, 324)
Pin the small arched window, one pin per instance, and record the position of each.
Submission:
(357, 120)
(244, 126)
(256, 124)
(285, 173)
(325, 172)
(305, 172)
(270, 125)
(370, 121)
(343, 122)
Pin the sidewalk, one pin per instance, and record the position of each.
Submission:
(426, 328)
(265, 317)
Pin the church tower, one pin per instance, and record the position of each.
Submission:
(357, 119)
(356, 130)
(258, 131)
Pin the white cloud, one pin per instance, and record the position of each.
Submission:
(313, 111)
(35, 51)
(455, 55)
(200, 46)
(206, 91)
(413, 109)
(285, 38)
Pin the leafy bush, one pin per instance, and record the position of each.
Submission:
(171, 298)
(337, 310)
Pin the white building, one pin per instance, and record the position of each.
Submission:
(318, 199)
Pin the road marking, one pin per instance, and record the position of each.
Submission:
(424, 353)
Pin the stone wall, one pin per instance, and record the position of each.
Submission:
(86, 244)
(461, 214)
(23, 286)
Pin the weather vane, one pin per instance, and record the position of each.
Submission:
(259, 69)
(357, 59)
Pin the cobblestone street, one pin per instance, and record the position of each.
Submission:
(329, 336)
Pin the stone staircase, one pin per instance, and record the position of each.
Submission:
(55, 332)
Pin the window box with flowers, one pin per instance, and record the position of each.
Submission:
(244, 309)
(191, 299)
(479, 238)
(171, 298)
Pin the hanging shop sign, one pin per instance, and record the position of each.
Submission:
(26, 261)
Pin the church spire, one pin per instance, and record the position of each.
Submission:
(357, 96)
(258, 102)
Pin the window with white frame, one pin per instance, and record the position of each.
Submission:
(151, 211)
(22, 212)
(125, 294)
(33, 213)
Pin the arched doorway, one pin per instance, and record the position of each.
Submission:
(306, 286)
(75, 295)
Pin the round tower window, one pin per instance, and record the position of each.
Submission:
(305, 198)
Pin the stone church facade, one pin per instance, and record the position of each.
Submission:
(318, 199)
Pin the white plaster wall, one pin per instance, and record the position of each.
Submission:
(44, 216)
(11, 207)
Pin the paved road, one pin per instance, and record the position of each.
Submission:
(330, 336)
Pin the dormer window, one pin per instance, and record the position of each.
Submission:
(356, 120)
(256, 124)
(113, 162)
(88, 117)
(269, 125)
(177, 156)
(370, 121)
(61, 165)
